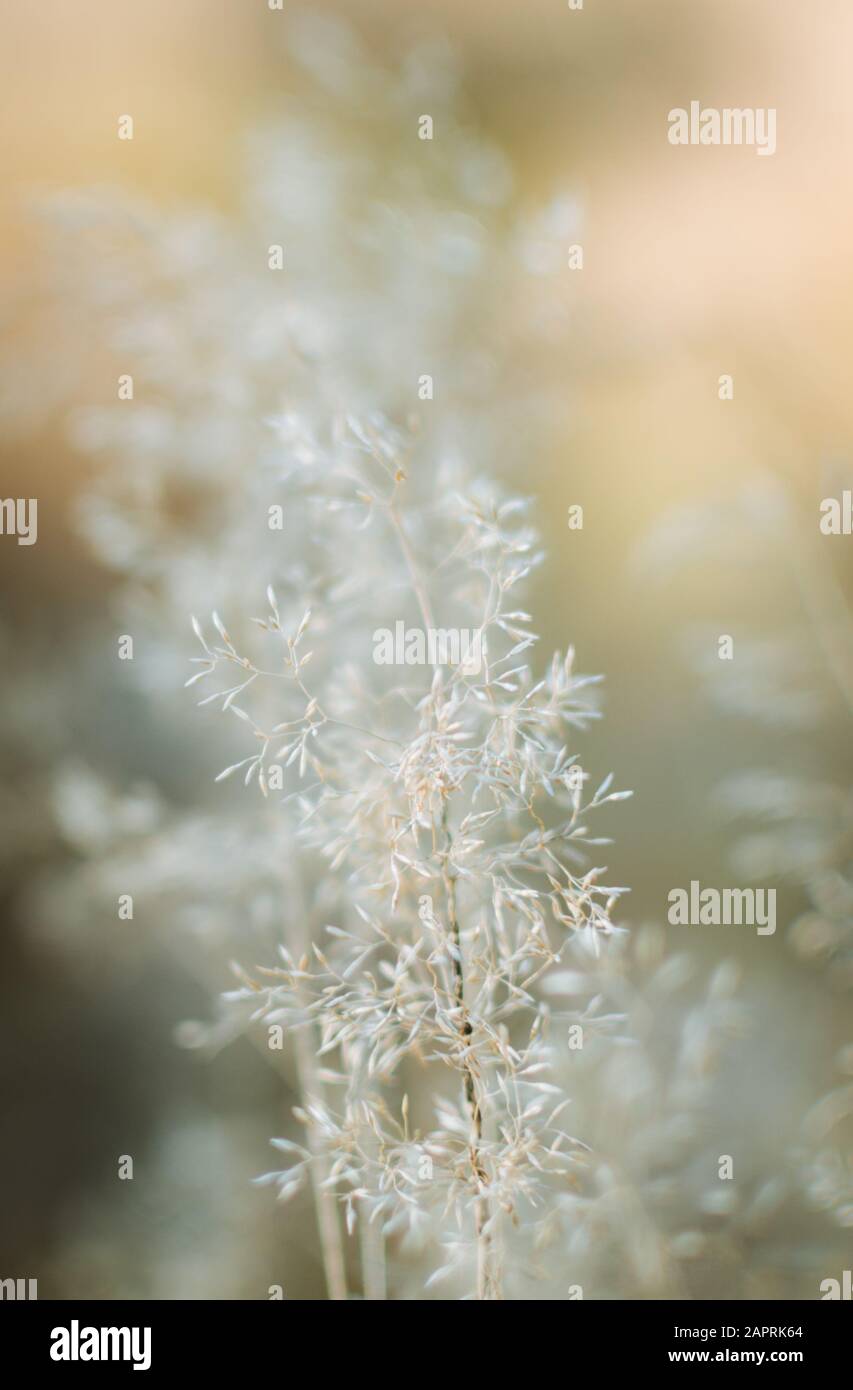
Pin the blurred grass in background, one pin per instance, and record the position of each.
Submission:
(693, 267)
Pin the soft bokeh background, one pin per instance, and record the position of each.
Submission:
(697, 262)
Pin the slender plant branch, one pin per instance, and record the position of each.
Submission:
(487, 1287)
(311, 1088)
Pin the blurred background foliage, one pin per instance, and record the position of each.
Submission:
(696, 263)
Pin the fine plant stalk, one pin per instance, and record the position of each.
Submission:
(311, 1088)
(486, 1278)
(325, 1201)
(487, 1287)
(373, 1263)
(487, 1284)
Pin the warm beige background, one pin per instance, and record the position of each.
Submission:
(698, 262)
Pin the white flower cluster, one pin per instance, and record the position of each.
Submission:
(448, 814)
